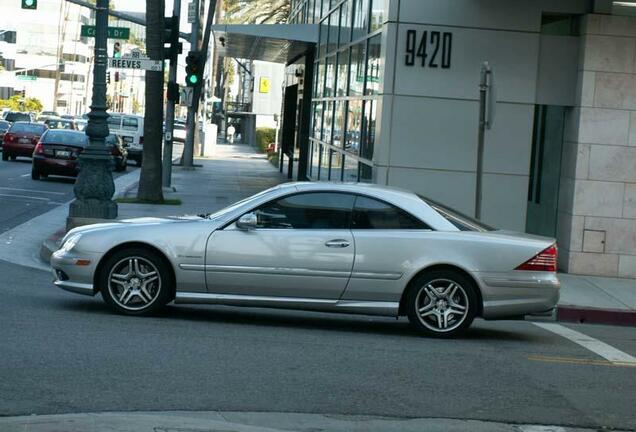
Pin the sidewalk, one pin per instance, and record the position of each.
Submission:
(236, 172)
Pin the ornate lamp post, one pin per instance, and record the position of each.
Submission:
(94, 187)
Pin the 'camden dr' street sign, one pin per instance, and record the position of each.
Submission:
(135, 63)
(113, 32)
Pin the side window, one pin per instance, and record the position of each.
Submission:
(130, 123)
(307, 211)
(369, 213)
(114, 122)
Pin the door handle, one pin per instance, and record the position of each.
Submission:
(338, 243)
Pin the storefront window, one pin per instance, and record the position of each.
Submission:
(325, 8)
(334, 24)
(339, 123)
(360, 18)
(368, 129)
(319, 79)
(311, 11)
(330, 76)
(358, 61)
(318, 120)
(345, 22)
(327, 123)
(324, 164)
(373, 66)
(350, 170)
(378, 13)
(366, 173)
(343, 73)
(315, 159)
(335, 174)
(354, 122)
(324, 37)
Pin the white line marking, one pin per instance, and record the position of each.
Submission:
(23, 175)
(25, 196)
(31, 190)
(604, 350)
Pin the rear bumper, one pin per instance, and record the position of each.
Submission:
(518, 293)
(62, 167)
(19, 149)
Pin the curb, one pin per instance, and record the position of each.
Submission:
(582, 315)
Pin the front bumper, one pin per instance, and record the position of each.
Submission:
(518, 293)
(70, 276)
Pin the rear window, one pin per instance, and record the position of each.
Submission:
(4, 125)
(14, 117)
(61, 137)
(59, 124)
(459, 220)
(33, 128)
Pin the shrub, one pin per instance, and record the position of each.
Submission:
(264, 137)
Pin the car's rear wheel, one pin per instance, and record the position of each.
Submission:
(5, 156)
(441, 303)
(135, 281)
(35, 174)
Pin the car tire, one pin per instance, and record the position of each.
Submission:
(441, 303)
(138, 162)
(35, 175)
(5, 156)
(135, 281)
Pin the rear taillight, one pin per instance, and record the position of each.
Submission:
(544, 261)
(9, 137)
(39, 149)
(141, 140)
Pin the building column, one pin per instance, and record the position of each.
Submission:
(597, 203)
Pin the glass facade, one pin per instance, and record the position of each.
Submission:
(346, 85)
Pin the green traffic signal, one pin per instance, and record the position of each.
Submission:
(29, 4)
(193, 79)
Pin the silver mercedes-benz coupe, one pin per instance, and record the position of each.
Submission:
(354, 248)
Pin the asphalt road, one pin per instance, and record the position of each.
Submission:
(22, 198)
(64, 353)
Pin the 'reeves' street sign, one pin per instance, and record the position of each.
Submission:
(113, 32)
(135, 63)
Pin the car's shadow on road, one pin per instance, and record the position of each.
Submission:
(239, 316)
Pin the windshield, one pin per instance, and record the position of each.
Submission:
(459, 220)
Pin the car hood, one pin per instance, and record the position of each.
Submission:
(136, 222)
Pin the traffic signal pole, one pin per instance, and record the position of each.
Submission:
(168, 136)
(187, 159)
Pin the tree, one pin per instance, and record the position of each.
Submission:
(150, 177)
(16, 103)
(257, 11)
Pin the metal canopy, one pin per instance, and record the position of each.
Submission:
(278, 43)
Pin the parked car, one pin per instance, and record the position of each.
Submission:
(47, 114)
(131, 129)
(60, 123)
(346, 247)
(80, 123)
(15, 116)
(58, 151)
(68, 116)
(179, 132)
(21, 138)
(4, 127)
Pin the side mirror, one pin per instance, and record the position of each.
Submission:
(247, 222)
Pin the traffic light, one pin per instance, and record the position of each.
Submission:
(116, 76)
(171, 38)
(194, 68)
(22, 93)
(29, 4)
(108, 77)
(117, 50)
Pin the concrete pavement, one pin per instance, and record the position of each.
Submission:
(216, 421)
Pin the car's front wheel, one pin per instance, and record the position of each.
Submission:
(441, 303)
(135, 281)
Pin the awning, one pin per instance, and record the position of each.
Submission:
(279, 43)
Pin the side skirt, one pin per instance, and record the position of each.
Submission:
(318, 305)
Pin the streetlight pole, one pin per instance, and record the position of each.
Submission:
(94, 187)
(166, 171)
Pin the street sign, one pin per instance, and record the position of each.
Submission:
(27, 77)
(135, 63)
(192, 12)
(113, 32)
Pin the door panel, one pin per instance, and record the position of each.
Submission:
(311, 263)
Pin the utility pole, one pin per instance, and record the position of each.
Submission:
(484, 86)
(187, 160)
(94, 187)
(172, 88)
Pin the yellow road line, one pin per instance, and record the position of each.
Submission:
(580, 361)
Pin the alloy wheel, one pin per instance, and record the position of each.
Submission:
(442, 305)
(134, 283)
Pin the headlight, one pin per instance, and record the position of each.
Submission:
(70, 242)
